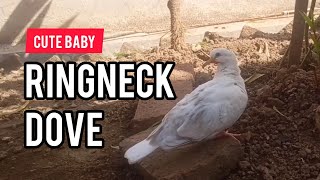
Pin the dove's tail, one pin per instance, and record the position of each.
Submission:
(139, 151)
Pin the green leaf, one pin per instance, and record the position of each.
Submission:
(317, 46)
(308, 20)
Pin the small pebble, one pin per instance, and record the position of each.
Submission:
(3, 155)
(6, 139)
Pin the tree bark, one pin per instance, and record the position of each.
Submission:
(177, 31)
(297, 32)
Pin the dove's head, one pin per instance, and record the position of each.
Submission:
(222, 57)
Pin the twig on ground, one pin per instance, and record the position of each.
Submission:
(276, 110)
(316, 78)
(284, 57)
(205, 53)
(304, 59)
(115, 147)
(266, 50)
(13, 111)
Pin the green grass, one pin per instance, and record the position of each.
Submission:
(121, 55)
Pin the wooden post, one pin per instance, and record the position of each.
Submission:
(297, 32)
(177, 32)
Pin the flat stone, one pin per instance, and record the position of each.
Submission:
(212, 159)
(150, 111)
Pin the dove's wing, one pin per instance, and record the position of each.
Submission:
(208, 110)
(216, 113)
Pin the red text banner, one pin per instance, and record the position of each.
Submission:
(58, 40)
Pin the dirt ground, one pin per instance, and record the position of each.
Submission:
(280, 116)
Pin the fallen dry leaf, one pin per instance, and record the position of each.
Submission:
(253, 78)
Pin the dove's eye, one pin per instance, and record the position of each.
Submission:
(217, 55)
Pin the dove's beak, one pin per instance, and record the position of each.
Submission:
(211, 60)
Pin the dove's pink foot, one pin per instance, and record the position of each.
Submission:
(227, 134)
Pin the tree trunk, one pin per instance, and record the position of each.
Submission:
(297, 32)
(177, 31)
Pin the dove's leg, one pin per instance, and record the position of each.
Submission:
(231, 134)
(227, 134)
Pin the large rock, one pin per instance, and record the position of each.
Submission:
(128, 48)
(90, 58)
(10, 62)
(285, 32)
(250, 32)
(212, 159)
(55, 58)
(287, 29)
(211, 36)
(150, 111)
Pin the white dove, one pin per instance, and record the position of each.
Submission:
(205, 113)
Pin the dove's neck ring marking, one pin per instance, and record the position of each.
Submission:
(225, 69)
